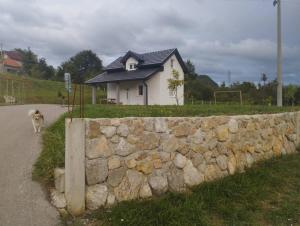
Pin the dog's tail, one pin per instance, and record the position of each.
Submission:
(31, 112)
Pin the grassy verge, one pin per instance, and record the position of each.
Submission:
(267, 194)
(53, 139)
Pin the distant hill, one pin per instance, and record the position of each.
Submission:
(206, 80)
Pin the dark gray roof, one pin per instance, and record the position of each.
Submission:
(158, 57)
(141, 74)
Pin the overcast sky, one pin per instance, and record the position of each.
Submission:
(217, 35)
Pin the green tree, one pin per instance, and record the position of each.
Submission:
(174, 83)
(290, 92)
(29, 59)
(42, 70)
(82, 66)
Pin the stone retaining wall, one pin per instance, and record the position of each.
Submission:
(133, 158)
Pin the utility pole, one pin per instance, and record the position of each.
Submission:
(1, 58)
(229, 78)
(279, 54)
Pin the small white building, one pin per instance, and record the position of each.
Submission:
(142, 79)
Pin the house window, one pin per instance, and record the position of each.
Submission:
(141, 90)
(172, 63)
(172, 93)
(132, 66)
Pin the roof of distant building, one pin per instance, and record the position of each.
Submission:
(14, 54)
(12, 63)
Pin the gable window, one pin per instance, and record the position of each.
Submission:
(172, 63)
(141, 90)
(132, 66)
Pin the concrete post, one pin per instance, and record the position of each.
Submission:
(297, 116)
(118, 93)
(75, 166)
(94, 94)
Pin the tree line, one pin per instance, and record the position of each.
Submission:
(202, 88)
(81, 66)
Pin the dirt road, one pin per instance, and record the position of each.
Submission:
(22, 201)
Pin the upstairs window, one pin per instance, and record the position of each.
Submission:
(141, 90)
(132, 66)
(172, 63)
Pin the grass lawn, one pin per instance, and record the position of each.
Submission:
(267, 194)
(37, 90)
(53, 138)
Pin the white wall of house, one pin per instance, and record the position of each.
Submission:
(129, 92)
(158, 84)
(154, 89)
(111, 90)
(167, 74)
(158, 92)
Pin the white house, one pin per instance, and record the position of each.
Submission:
(142, 79)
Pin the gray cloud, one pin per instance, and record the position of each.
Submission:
(217, 35)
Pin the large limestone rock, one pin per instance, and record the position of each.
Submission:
(124, 148)
(114, 162)
(96, 171)
(157, 163)
(180, 161)
(160, 125)
(170, 144)
(145, 166)
(277, 147)
(212, 172)
(176, 180)
(165, 156)
(98, 148)
(249, 159)
(96, 196)
(93, 129)
(233, 126)
(148, 141)
(130, 163)
(198, 137)
(182, 130)
(222, 133)
(231, 164)
(197, 159)
(123, 130)
(145, 191)
(115, 139)
(108, 131)
(159, 184)
(191, 175)
(59, 179)
(116, 176)
(149, 124)
(130, 186)
(222, 162)
(111, 199)
(58, 199)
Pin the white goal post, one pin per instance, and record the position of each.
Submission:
(227, 91)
